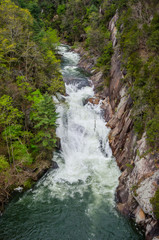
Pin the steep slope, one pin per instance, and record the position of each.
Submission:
(138, 163)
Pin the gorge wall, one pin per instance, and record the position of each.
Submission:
(139, 178)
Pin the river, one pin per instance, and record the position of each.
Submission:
(75, 201)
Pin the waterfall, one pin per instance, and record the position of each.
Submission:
(76, 200)
(85, 160)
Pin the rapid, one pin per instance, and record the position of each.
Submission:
(77, 200)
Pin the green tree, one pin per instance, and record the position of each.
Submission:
(44, 117)
(4, 165)
(9, 116)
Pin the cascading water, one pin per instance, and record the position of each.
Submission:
(75, 201)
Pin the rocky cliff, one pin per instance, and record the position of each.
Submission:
(139, 178)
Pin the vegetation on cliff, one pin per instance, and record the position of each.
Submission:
(155, 204)
(138, 37)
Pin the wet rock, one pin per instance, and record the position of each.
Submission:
(97, 78)
(94, 101)
(54, 165)
(140, 215)
(58, 144)
(152, 229)
(122, 208)
(18, 189)
(40, 174)
(122, 194)
(86, 62)
(107, 108)
(79, 82)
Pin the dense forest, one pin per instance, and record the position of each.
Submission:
(30, 71)
(29, 75)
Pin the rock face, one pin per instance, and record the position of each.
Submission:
(140, 215)
(139, 178)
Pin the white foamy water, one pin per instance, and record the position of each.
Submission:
(85, 160)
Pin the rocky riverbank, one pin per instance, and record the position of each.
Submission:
(139, 178)
(22, 180)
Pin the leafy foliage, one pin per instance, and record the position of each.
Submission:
(28, 183)
(44, 117)
(21, 154)
(105, 59)
(153, 34)
(29, 72)
(155, 203)
(3, 163)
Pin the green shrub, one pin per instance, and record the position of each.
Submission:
(139, 125)
(109, 12)
(95, 39)
(104, 61)
(129, 39)
(44, 117)
(134, 189)
(155, 203)
(152, 129)
(4, 165)
(128, 165)
(152, 32)
(153, 41)
(21, 154)
(28, 183)
(61, 9)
